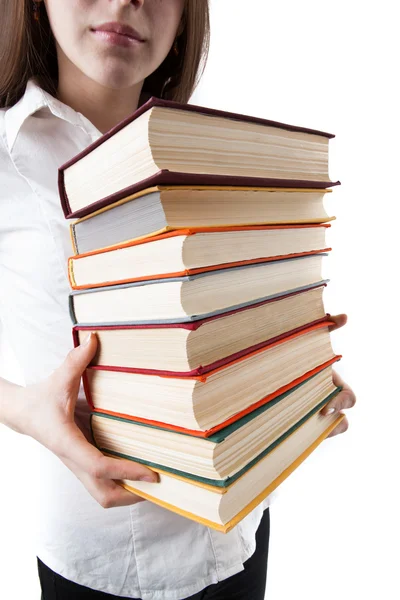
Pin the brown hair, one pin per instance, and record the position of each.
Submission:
(27, 49)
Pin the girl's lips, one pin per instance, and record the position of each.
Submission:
(118, 34)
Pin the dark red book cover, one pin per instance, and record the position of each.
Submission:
(165, 177)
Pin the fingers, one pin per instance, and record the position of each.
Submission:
(344, 399)
(105, 467)
(90, 460)
(70, 372)
(341, 428)
(339, 321)
(98, 472)
(108, 493)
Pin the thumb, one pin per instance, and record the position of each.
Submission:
(70, 372)
(338, 320)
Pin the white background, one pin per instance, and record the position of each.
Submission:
(331, 66)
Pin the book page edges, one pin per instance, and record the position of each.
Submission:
(229, 421)
(203, 369)
(277, 341)
(193, 230)
(228, 481)
(189, 188)
(184, 179)
(154, 102)
(194, 325)
(188, 231)
(186, 272)
(255, 502)
(169, 188)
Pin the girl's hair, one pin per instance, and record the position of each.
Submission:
(27, 49)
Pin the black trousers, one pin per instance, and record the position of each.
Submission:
(246, 585)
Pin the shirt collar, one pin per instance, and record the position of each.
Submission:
(35, 99)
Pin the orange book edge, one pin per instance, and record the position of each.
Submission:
(233, 419)
(161, 188)
(186, 272)
(245, 511)
(169, 229)
(185, 233)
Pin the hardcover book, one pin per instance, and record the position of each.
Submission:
(194, 297)
(164, 142)
(161, 209)
(187, 252)
(199, 346)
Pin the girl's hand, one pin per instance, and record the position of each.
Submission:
(346, 398)
(45, 411)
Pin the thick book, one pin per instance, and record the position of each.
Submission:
(165, 142)
(187, 252)
(195, 296)
(205, 403)
(199, 346)
(225, 455)
(221, 508)
(161, 209)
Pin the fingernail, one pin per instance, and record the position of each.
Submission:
(87, 339)
(330, 411)
(147, 478)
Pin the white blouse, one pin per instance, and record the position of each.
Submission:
(141, 551)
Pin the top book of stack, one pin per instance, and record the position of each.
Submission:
(167, 143)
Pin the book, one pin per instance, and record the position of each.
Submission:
(161, 209)
(195, 296)
(224, 455)
(186, 252)
(207, 402)
(199, 346)
(165, 142)
(221, 508)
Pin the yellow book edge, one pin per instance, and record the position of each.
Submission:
(247, 509)
(162, 188)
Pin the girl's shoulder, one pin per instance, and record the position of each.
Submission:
(4, 153)
(12, 181)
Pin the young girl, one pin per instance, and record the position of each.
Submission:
(69, 71)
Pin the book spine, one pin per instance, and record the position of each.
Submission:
(71, 309)
(63, 194)
(86, 389)
(74, 241)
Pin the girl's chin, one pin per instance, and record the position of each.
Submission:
(115, 79)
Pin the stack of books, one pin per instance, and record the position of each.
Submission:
(198, 252)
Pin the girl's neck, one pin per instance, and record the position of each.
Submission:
(104, 107)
